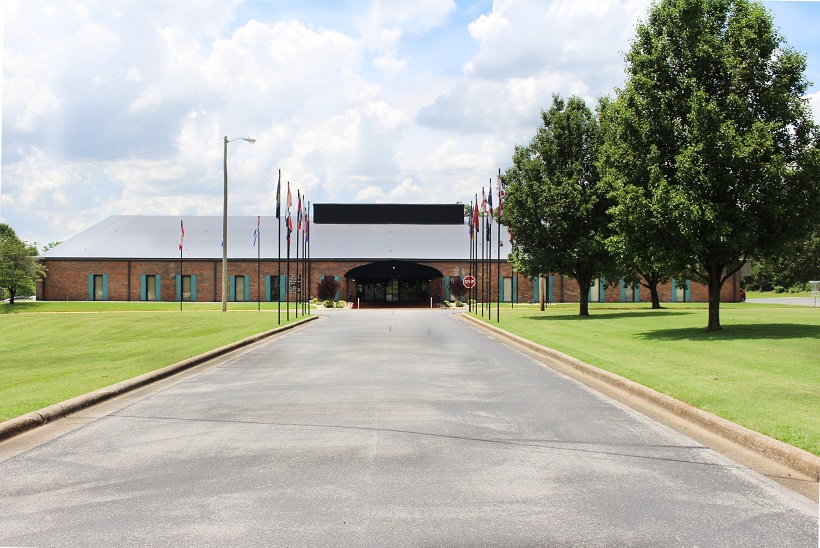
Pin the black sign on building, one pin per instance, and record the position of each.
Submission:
(385, 214)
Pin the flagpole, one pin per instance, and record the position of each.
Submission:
(307, 255)
(258, 265)
(498, 253)
(475, 254)
(181, 238)
(298, 279)
(289, 226)
(306, 284)
(279, 245)
(470, 269)
(483, 231)
(475, 259)
(287, 284)
(490, 252)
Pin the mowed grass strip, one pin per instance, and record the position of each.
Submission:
(761, 371)
(51, 357)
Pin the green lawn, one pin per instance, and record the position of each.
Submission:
(762, 370)
(69, 349)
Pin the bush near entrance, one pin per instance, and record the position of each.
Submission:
(327, 289)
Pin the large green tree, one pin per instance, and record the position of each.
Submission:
(724, 143)
(19, 267)
(638, 240)
(555, 205)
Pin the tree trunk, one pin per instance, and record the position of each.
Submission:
(583, 292)
(653, 292)
(715, 285)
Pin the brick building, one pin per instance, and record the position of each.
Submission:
(380, 253)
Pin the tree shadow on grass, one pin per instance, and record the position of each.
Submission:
(733, 332)
(642, 313)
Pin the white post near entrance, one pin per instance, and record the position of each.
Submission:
(815, 290)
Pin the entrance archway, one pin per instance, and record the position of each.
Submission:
(395, 282)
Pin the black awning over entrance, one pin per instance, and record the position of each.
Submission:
(400, 270)
(394, 282)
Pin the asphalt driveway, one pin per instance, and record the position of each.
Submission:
(386, 428)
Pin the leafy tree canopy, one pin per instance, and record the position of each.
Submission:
(555, 204)
(713, 121)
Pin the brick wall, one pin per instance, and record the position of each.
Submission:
(68, 280)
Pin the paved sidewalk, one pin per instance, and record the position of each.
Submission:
(801, 301)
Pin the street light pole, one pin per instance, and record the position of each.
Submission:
(225, 222)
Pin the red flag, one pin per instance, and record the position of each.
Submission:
(290, 198)
(298, 211)
(181, 234)
(475, 214)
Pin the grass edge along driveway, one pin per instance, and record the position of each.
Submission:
(761, 371)
(51, 357)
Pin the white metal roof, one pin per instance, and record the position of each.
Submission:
(157, 237)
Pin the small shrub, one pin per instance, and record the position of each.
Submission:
(459, 304)
(779, 289)
(447, 304)
(327, 288)
(327, 303)
(341, 304)
(456, 287)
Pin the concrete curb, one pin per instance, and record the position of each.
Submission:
(35, 419)
(793, 457)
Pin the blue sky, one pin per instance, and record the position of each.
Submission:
(120, 107)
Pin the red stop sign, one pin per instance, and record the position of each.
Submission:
(469, 282)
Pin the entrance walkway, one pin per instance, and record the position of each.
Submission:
(398, 306)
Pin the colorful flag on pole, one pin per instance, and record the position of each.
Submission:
(181, 234)
(490, 200)
(470, 222)
(475, 214)
(256, 231)
(278, 195)
(298, 211)
(288, 219)
(307, 226)
(483, 201)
